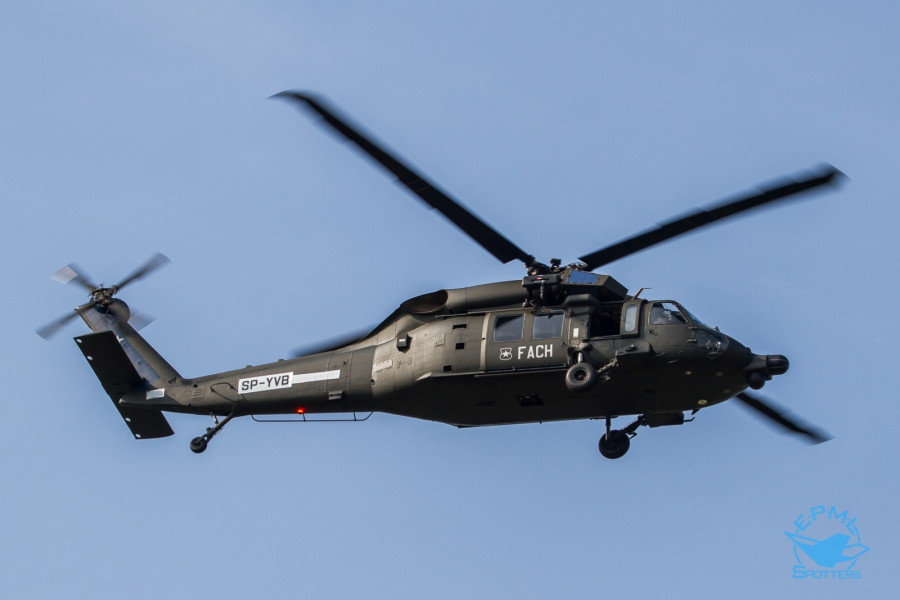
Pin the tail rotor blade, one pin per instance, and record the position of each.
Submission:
(781, 418)
(140, 320)
(51, 328)
(154, 262)
(72, 273)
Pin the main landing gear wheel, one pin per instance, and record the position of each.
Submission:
(581, 377)
(614, 444)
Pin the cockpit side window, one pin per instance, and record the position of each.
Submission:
(547, 325)
(666, 313)
(509, 328)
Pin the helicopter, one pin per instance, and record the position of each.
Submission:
(562, 343)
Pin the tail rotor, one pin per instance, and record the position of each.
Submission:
(102, 298)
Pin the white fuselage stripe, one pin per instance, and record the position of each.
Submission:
(321, 376)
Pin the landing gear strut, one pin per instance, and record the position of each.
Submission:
(199, 444)
(616, 442)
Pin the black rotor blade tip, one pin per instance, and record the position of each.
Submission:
(767, 194)
(812, 434)
(302, 98)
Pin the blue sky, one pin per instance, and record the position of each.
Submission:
(142, 127)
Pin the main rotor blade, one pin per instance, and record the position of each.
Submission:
(153, 263)
(332, 344)
(824, 175)
(791, 424)
(491, 240)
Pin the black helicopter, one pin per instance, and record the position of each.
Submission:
(562, 343)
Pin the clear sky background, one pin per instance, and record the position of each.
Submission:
(129, 128)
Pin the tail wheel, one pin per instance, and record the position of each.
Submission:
(198, 445)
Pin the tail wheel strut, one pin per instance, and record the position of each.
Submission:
(199, 444)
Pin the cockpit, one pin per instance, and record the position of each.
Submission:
(666, 312)
(625, 319)
(670, 313)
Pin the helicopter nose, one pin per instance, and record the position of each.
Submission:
(763, 367)
(777, 364)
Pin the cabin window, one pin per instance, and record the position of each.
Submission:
(631, 317)
(606, 320)
(547, 325)
(509, 328)
(666, 313)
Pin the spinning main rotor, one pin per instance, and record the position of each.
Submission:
(506, 251)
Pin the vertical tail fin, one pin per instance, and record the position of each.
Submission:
(132, 372)
(121, 380)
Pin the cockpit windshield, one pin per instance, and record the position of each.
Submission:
(694, 317)
(669, 313)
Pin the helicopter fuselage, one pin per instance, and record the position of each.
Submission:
(495, 365)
